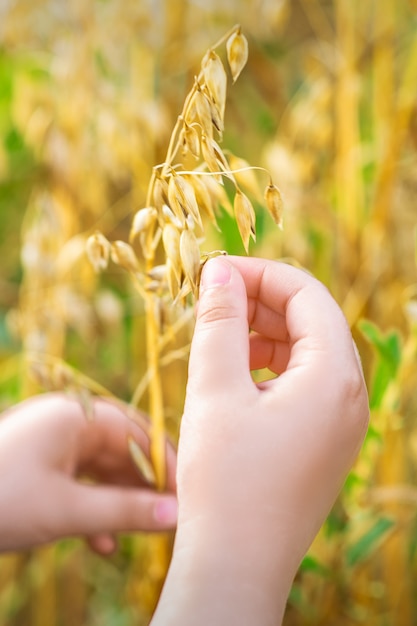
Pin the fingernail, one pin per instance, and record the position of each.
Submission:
(216, 272)
(166, 511)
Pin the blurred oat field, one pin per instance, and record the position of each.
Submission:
(89, 94)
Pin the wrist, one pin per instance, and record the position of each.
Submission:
(225, 578)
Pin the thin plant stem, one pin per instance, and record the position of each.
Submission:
(156, 401)
(156, 404)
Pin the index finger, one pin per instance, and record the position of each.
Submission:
(287, 303)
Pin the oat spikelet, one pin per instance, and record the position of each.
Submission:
(203, 198)
(188, 199)
(171, 241)
(209, 155)
(141, 461)
(190, 140)
(237, 53)
(98, 251)
(143, 220)
(160, 191)
(216, 118)
(168, 217)
(245, 218)
(172, 279)
(274, 203)
(123, 254)
(202, 110)
(190, 256)
(175, 198)
(223, 163)
(215, 158)
(216, 83)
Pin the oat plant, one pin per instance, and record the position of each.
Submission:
(189, 189)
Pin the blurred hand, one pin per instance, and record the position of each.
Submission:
(46, 447)
(259, 464)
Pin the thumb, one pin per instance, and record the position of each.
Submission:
(220, 348)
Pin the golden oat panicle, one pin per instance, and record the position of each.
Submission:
(179, 198)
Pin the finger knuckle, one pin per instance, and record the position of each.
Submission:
(217, 311)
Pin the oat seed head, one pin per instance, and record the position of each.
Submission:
(179, 200)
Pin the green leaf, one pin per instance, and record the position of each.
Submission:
(353, 480)
(336, 520)
(229, 234)
(311, 564)
(299, 600)
(388, 357)
(387, 345)
(364, 547)
(373, 434)
(296, 597)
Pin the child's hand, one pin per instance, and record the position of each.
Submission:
(46, 445)
(259, 465)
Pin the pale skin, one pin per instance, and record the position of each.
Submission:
(63, 475)
(259, 464)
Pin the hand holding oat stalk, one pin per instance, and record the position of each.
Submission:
(179, 201)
